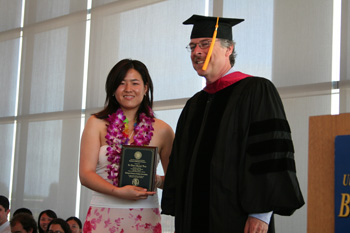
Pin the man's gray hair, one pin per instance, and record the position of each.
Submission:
(227, 43)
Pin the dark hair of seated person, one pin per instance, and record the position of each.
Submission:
(23, 210)
(59, 221)
(26, 220)
(77, 220)
(49, 213)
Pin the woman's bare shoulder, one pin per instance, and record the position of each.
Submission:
(94, 120)
(162, 129)
(161, 125)
(95, 123)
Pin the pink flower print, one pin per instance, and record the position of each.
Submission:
(147, 226)
(87, 227)
(107, 222)
(89, 212)
(137, 226)
(96, 212)
(113, 229)
(138, 218)
(118, 221)
(93, 223)
(156, 211)
(99, 219)
(157, 228)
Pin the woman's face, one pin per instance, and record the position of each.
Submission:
(56, 228)
(131, 90)
(74, 226)
(44, 221)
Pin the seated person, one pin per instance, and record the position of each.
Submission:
(75, 224)
(23, 223)
(58, 225)
(4, 212)
(23, 210)
(44, 219)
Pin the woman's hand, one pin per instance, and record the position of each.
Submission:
(131, 192)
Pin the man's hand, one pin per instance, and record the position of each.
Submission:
(254, 225)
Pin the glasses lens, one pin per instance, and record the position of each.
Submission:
(204, 44)
(191, 47)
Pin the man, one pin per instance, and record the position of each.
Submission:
(23, 223)
(232, 164)
(4, 211)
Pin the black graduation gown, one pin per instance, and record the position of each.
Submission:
(232, 155)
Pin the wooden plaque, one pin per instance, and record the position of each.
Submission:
(138, 166)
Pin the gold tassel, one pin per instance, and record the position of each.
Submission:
(205, 66)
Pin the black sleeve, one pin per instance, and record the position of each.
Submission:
(268, 179)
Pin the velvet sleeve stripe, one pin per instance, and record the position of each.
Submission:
(261, 127)
(270, 146)
(273, 165)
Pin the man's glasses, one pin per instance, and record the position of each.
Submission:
(204, 44)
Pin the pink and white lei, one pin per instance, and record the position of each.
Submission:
(116, 138)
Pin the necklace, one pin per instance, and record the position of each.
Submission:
(116, 137)
(126, 129)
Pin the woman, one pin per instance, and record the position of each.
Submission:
(45, 217)
(126, 119)
(58, 225)
(74, 224)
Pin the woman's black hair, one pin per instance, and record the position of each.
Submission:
(77, 220)
(114, 79)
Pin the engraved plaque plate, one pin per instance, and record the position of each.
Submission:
(138, 166)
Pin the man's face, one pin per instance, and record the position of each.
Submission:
(18, 228)
(55, 228)
(3, 215)
(219, 62)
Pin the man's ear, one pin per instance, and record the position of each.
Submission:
(229, 50)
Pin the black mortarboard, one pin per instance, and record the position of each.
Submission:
(204, 26)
